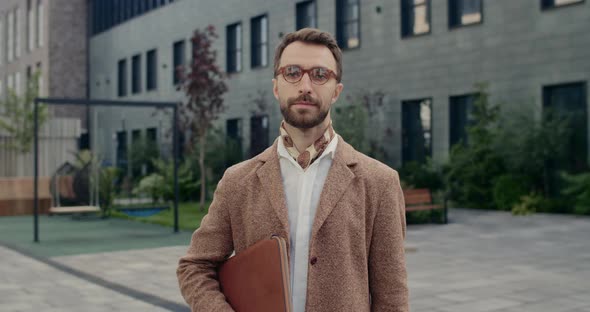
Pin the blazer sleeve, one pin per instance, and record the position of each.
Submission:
(387, 264)
(210, 245)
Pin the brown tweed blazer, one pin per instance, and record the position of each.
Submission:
(356, 255)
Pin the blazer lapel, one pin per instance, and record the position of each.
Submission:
(270, 178)
(339, 178)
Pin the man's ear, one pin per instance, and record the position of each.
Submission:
(275, 88)
(337, 92)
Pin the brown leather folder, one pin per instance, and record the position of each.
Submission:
(257, 279)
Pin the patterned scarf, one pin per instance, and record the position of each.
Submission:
(313, 152)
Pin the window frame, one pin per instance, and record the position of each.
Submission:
(300, 4)
(151, 81)
(419, 101)
(182, 44)
(263, 43)
(136, 80)
(468, 112)
(461, 25)
(403, 18)
(341, 24)
(546, 90)
(545, 7)
(233, 54)
(122, 78)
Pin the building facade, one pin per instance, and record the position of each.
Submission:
(416, 61)
(48, 37)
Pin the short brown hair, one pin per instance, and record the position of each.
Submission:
(314, 36)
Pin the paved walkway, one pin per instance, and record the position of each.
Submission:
(481, 261)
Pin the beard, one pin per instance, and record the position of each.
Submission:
(304, 118)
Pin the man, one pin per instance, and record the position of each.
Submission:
(341, 212)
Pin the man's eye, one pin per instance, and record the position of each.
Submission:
(292, 72)
(320, 73)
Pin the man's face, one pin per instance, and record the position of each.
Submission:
(305, 104)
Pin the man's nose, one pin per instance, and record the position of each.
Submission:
(305, 84)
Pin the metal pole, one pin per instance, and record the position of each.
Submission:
(175, 152)
(36, 170)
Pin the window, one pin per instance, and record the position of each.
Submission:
(234, 128)
(258, 134)
(234, 48)
(40, 82)
(106, 14)
(136, 74)
(18, 29)
(415, 17)
(416, 130)
(177, 60)
(10, 82)
(152, 135)
(152, 70)
(2, 47)
(570, 100)
(348, 23)
(40, 22)
(10, 35)
(29, 75)
(30, 26)
(305, 14)
(259, 28)
(122, 151)
(122, 74)
(17, 84)
(135, 137)
(233, 141)
(548, 4)
(465, 12)
(461, 108)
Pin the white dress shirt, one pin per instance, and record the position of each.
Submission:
(302, 192)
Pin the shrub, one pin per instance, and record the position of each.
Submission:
(107, 179)
(578, 189)
(472, 167)
(528, 204)
(350, 122)
(531, 147)
(508, 189)
(417, 175)
(151, 185)
(188, 185)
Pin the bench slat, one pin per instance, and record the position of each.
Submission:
(418, 199)
(73, 209)
(423, 207)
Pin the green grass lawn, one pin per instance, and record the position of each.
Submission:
(189, 216)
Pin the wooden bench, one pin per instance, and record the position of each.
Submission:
(17, 196)
(420, 200)
(73, 210)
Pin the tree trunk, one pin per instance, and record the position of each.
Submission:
(202, 139)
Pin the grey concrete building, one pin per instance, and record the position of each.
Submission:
(49, 36)
(418, 61)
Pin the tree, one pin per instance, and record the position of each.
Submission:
(204, 85)
(472, 167)
(17, 116)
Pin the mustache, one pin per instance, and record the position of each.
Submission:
(303, 98)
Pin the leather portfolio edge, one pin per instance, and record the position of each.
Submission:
(284, 271)
(284, 268)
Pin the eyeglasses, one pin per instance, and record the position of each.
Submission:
(318, 75)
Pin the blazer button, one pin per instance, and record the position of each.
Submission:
(313, 260)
